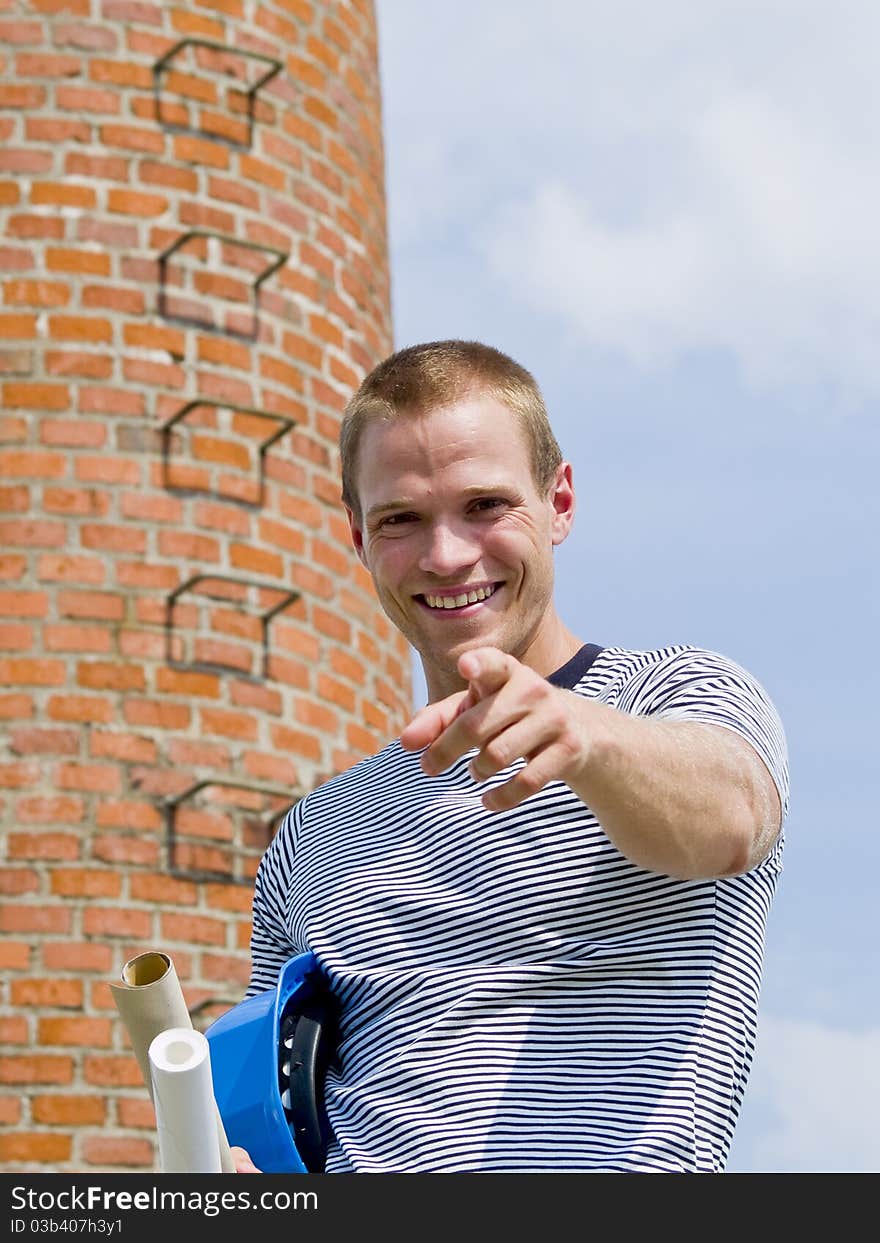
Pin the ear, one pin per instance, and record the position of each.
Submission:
(561, 497)
(357, 536)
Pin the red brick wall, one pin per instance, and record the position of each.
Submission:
(107, 711)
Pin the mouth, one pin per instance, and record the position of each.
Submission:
(463, 601)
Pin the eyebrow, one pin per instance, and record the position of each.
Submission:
(475, 489)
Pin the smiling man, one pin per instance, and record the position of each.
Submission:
(542, 908)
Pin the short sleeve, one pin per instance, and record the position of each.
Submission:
(270, 941)
(694, 684)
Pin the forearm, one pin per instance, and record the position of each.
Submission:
(684, 798)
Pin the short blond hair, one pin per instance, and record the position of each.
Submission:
(424, 377)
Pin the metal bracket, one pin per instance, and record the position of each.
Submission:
(285, 425)
(288, 598)
(172, 804)
(163, 64)
(277, 258)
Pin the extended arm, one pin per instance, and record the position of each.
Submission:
(688, 799)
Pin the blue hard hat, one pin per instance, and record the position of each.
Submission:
(269, 1055)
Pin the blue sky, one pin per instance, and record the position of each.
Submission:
(668, 213)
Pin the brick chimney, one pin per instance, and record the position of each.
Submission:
(194, 277)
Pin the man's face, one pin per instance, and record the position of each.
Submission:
(457, 538)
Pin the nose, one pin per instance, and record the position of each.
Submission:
(448, 548)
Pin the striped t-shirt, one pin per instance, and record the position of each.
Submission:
(515, 994)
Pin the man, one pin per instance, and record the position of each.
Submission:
(542, 907)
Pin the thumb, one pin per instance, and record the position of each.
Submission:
(429, 722)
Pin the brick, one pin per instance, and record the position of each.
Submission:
(87, 99)
(69, 1110)
(36, 396)
(77, 363)
(18, 671)
(136, 1114)
(256, 561)
(14, 707)
(297, 741)
(250, 695)
(82, 501)
(90, 778)
(10, 1111)
(183, 544)
(105, 1152)
(35, 1146)
(261, 767)
(58, 847)
(127, 748)
(23, 603)
(163, 889)
(114, 297)
(83, 35)
(126, 849)
(11, 567)
(121, 73)
(73, 433)
(18, 327)
(109, 1071)
(14, 1030)
(110, 675)
(136, 645)
(20, 32)
(109, 922)
(14, 955)
(81, 883)
(127, 814)
(54, 567)
(17, 881)
(190, 149)
(31, 740)
(16, 258)
(75, 1031)
(133, 138)
(73, 956)
(71, 638)
(34, 919)
(286, 537)
(80, 328)
(106, 537)
(107, 470)
(146, 508)
(57, 130)
(227, 724)
(186, 22)
(80, 708)
(136, 203)
(193, 929)
(61, 194)
(98, 605)
(153, 374)
(22, 95)
(47, 994)
(66, 259)
(31, 1069)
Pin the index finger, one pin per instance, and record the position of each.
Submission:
(487, 669)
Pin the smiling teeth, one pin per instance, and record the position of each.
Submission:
(458, 602)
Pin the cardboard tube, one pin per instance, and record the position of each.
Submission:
(150, 1000)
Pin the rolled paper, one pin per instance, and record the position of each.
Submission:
(183, 1094)
(150, 1000)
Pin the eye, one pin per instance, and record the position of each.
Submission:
(394, 520)
(488, 503)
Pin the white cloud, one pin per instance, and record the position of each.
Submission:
(660, 178)
(818, 1089)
